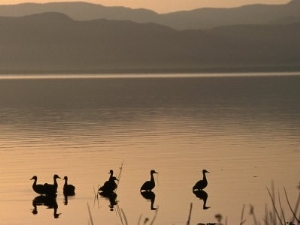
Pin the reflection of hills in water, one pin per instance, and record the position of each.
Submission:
(48, 201)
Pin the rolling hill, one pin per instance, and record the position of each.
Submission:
(204, 18)
(55, 43)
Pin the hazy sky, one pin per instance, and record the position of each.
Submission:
(162, 6)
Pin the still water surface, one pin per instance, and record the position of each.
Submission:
(243, 129)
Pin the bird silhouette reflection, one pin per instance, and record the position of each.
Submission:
(150, 196)
(202, 195)
(66, 198)
(48, 201)
(111, 197)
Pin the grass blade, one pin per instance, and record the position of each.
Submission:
(90, 215)
(190, 213)
(274, 209)
(296, 207)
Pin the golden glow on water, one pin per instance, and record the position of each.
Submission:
(177, 131)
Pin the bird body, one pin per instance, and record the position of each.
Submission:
(109, 186)
(201, 184)
(38, 188)
(149, 185)
(51, 189)
(68, 189)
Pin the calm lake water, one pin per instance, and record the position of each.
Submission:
(244, 129)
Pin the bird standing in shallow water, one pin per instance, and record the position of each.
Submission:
(149, 185)
(201, 184)
(38, 188)
(68, 189)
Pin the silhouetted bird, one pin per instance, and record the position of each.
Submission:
(38, 188)
(149, 185)
(201, 184)
(109, 186)
(51, 189)
(68, 189)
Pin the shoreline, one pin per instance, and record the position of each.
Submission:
(258, 69)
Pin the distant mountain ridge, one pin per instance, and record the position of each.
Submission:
(204, 18)
(55, 43)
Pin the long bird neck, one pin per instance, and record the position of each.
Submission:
(34, 182)
(152, 177)
(55, 182)
(66, 181)
(204, 176)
